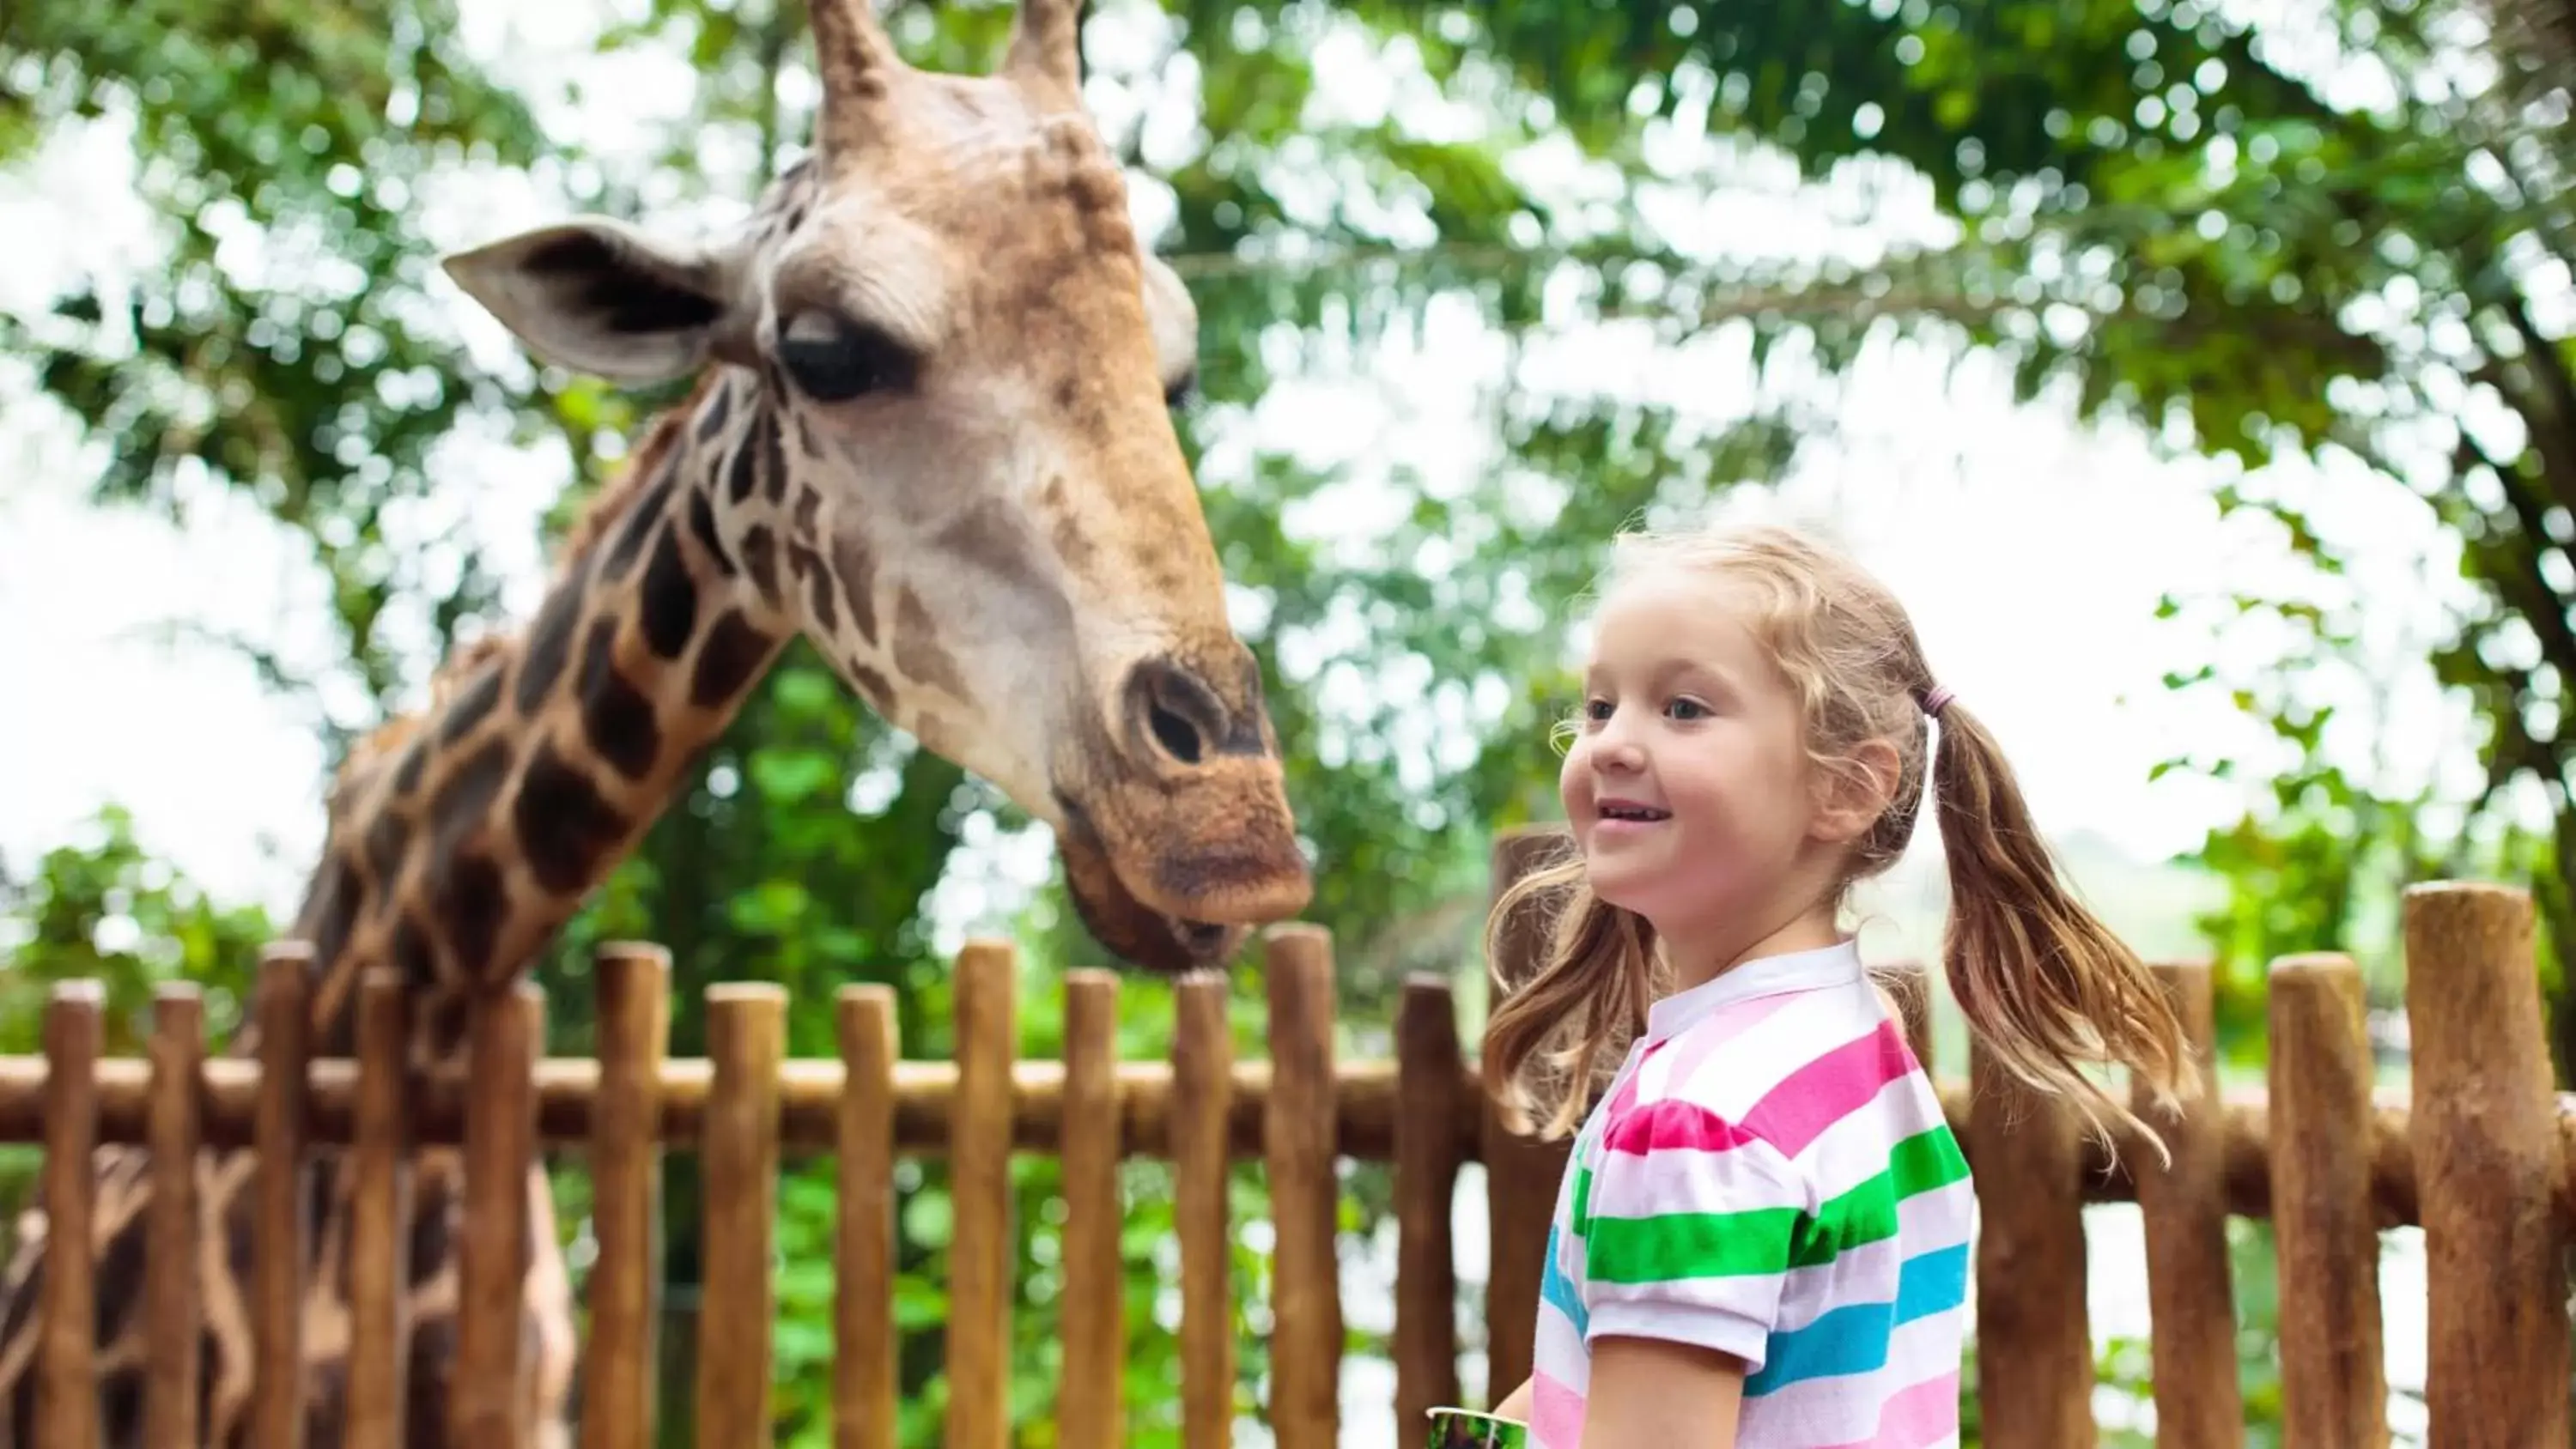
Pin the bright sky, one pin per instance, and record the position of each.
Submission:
(2032, 554)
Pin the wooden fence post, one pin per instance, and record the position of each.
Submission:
(171, 1291)
(979, 1255)
(379, 1209)
(67, 1378)
(2333, 1383)
(490, 1392)
(1090, 1405)
(1430, 1076)
(282, 1004)
(863, 1362)
(1521, 1173)
(1297, 1136)
(2191, 1300)
(2034, 1341)
(631, 984)
(746, 1040)
(2489, 1171)
(1202, 1104)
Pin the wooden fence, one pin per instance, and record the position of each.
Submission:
(2478, 1157)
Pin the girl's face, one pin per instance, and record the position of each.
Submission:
(1688, 784)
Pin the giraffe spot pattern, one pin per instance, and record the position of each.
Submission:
(386, 839)
(872, 686)
(470, 706)
(565, 825)
(917, 652)
(465, 797)
(773, 458)
(470, 902)
(733, 651)
(760, 555)
(858, 570)
(641, 516)
(549, 644)
(739, 480)
(615, 714)
(669, 607)
(818, 586)
(702, 527)
(415, 759)
(411, 952)
(711, 418)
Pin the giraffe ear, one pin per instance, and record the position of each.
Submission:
(1174, 318)
(601, 297)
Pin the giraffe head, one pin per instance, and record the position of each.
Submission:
(942, 352)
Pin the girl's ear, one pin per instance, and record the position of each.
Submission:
(1852, 797)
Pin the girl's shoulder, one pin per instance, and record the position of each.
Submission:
(1783, 1071)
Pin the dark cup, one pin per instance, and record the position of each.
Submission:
(1468, 1429)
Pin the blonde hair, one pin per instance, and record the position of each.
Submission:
(2044, 985)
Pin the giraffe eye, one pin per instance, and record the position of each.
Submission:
(835, 359)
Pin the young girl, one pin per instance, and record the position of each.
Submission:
(1762, 1238)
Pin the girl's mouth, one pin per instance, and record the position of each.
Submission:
(1628, 812)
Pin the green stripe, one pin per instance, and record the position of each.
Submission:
(1670, 1246)
(1927, 1160)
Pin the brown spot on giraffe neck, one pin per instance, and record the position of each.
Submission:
(566, 827)
(917, 650)
(856, 564)
(669, 607)
(760, 555)
(734, 650)
(615, 716)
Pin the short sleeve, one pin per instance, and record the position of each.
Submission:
(1690, 1224)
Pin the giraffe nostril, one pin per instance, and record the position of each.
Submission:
(1181, 715)
(1176, 735)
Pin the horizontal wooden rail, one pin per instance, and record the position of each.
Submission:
(1364, 1099)
(809, 1093)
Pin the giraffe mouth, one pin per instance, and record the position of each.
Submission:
(1130, 929)
(1149, 934)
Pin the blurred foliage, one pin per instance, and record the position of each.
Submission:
(2152, 211)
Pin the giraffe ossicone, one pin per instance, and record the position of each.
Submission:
(931, 433)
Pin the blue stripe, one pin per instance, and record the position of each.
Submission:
(1554, 1287)
(1853, 1339)
(1933, 1282)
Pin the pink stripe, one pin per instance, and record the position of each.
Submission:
(1671, 1125)
(1920, 1415)
(1556, 1412)
(1830, 1088)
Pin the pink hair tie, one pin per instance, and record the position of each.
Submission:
(1934, 701)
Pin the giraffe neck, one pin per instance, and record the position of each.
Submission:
(463, 840)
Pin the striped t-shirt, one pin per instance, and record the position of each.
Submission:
(1769, 1175)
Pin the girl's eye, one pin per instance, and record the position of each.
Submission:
(1596, 710)
(1688, 709)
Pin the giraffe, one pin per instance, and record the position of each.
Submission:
(930, 432)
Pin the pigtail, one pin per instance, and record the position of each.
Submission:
(1556, 1034)
(2042, 982)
